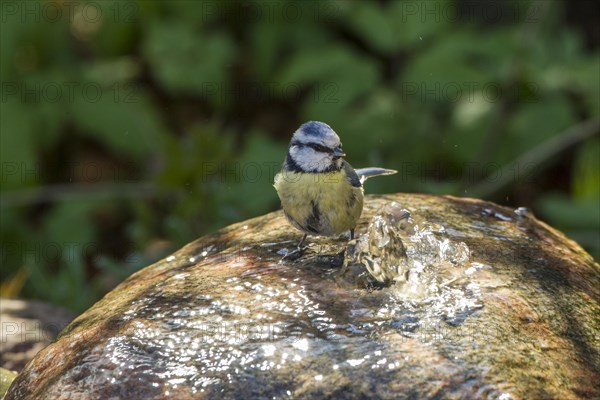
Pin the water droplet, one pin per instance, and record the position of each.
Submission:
(523, 212)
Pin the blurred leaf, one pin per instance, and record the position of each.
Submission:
(189, 62)
(63, 217)
(397, 25)
(19, 167)
(120, 117)
(414, 24)
(14, 235)
(534, 123)
(577, 219)
(11, 287)
(458, 64)
(558, 62)
(267, 46)
(338, 79)
(586, 172)
(279, 35)
(113, 71)
(61, 245)
(555, 52)
(46, 94)
(196, 157)
(584, 78)
(115, 34)
(252, 189)
(13, 52)
(372, 125)
(565, 213)
(370, 20)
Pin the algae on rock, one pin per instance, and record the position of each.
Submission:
(505, 307)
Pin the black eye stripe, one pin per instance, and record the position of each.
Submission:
(318, 147)
(314, 146)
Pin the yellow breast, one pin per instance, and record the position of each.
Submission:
(322, 203)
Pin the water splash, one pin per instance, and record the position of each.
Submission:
(429, 274)
(399, 247)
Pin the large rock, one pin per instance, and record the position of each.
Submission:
(221, 318)
(6, 378)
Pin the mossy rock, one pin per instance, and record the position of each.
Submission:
(223, 318)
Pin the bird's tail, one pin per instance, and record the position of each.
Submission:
(366, 173)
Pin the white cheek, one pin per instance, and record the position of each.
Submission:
(310, 160)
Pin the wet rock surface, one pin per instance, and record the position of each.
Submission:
(6, 378)
(480, 302)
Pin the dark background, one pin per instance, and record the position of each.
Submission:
(130, 128)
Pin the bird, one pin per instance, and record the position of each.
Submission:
(321, 194)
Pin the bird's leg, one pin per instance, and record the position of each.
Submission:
(339, 258)
(301, 242)
(296, 254)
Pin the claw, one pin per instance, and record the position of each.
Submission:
(293, 255)
(296, 254)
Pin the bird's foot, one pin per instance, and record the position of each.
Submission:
(293, 255)
(296, 254)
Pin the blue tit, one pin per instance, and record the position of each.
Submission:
(320, 193)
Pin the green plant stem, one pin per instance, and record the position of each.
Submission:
(534, 160)
(76, 192)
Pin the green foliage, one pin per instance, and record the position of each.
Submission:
(586, 174)
(128, 133)
(187, 61)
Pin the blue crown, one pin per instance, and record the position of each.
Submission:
(315, 128)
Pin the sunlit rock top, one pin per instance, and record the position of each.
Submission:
(439, 297)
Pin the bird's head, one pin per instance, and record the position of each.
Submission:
(315, 147)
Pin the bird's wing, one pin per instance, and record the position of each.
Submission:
(351, 175)
(366, 173)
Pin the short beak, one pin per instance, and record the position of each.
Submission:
(338, 152)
